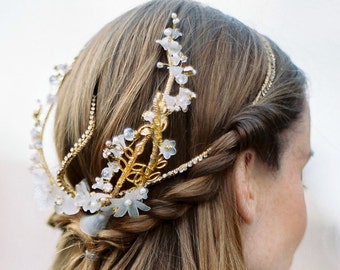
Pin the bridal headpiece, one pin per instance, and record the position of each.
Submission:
(122, 187)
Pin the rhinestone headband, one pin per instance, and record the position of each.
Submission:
(123, 184)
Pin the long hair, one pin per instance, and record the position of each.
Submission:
(193, 222)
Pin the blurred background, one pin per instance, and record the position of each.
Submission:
(35, 35)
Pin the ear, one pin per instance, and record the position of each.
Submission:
(245, 185)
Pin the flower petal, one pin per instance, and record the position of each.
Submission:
(91, 225)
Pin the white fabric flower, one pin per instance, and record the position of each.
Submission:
(176, 33)
(171, 103)
(177, 58)
(173, 47)
(179, 102)
(102, 184)
(176, 71)
(130, 203)
(180, 77)
(187, 92)
(52, 99)
(36, 138)
(168, 148)
(64, 203)
(107, 173)
(119, 145)
(88, 201)
(94, 223)
(148, 116)
(42, 192)
(184, 98)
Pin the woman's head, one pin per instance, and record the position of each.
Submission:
(204, 218)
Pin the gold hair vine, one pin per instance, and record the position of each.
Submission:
(123, 184)
(271, 71)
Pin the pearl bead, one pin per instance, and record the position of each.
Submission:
(175, 21)
(142, 191)
(167, 32)
(127, 202)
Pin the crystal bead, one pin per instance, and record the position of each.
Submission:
(183, 169)
(129, 134)
(181, 79)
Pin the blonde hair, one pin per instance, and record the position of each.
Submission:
(193, 222)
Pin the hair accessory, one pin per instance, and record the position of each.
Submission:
(90, 255)
(123, 184)
(271, 71)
